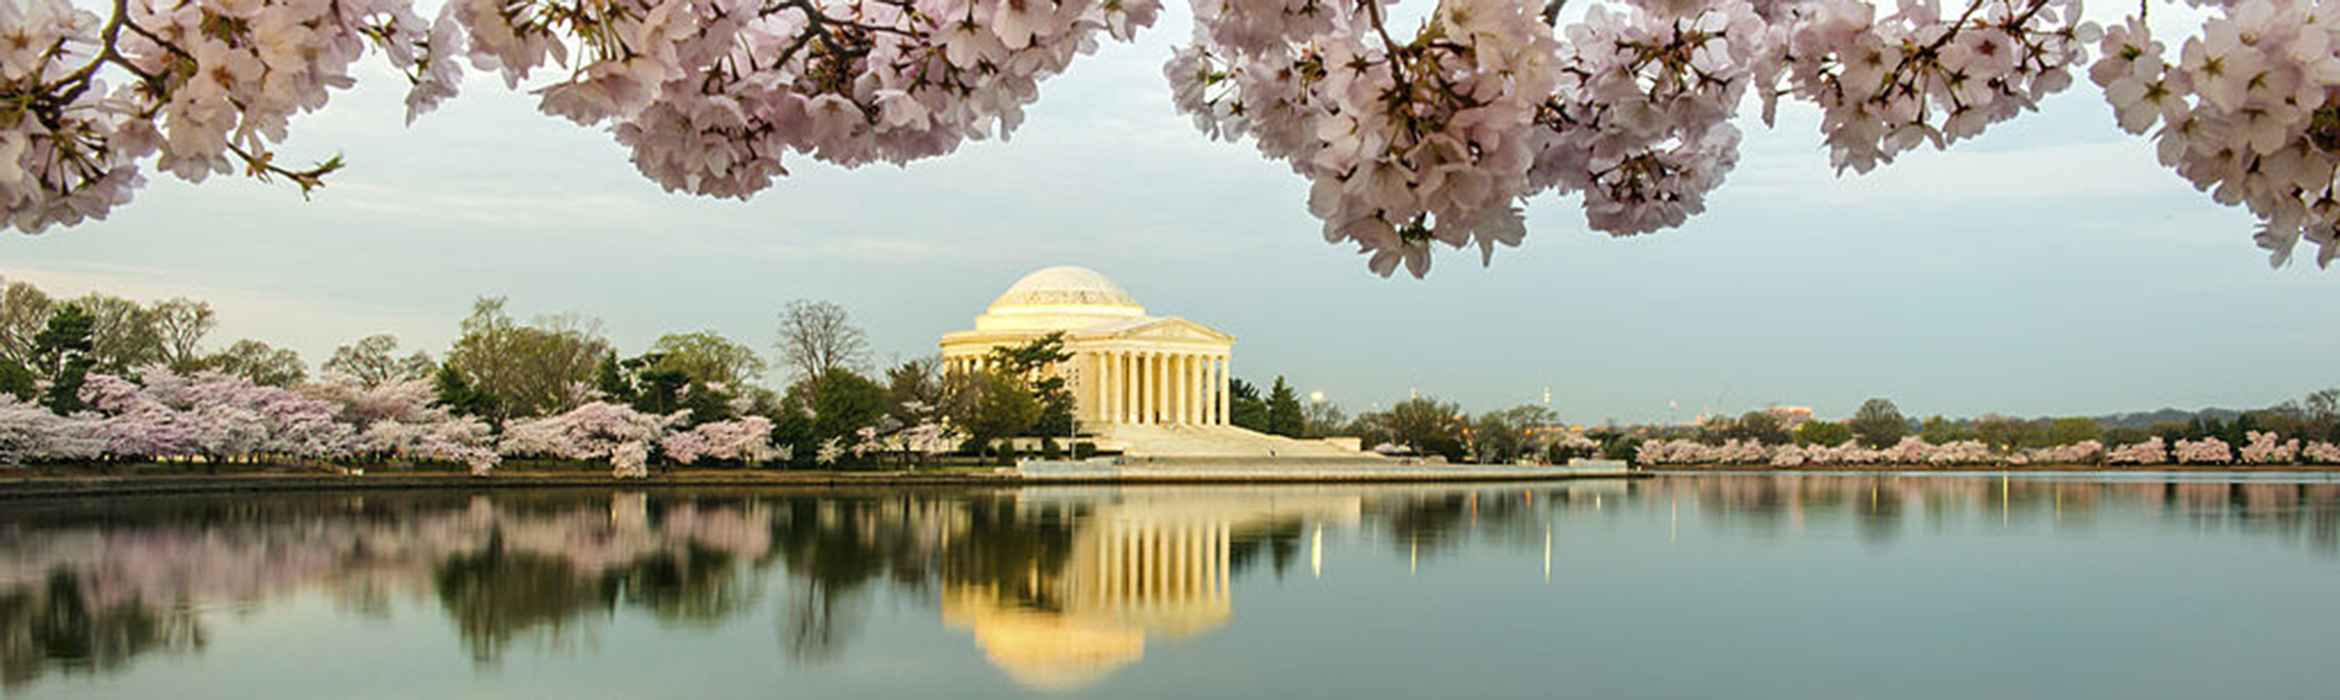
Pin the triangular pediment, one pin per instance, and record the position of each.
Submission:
(1171, 328)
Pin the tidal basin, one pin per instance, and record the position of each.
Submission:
(1764, 586)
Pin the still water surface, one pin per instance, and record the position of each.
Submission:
(1815, 586)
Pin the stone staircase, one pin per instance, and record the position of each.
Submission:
(1214, 442)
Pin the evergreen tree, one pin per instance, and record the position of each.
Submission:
(458, 395)
(1244, 408)
(62, 352)
(611, 380)
(1284, 415)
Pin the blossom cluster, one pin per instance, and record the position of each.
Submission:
(1909, 451)
(203, 87)
(1409, 138)
(2151, 451)
(2320, 452)
(2249, 112)
(1439, 136)
(746, 440)
(710, 94)
(595, 430)
(2207, 450)
(219, 417)
(2266, 447)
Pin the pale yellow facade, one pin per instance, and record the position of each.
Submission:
(1126, 367)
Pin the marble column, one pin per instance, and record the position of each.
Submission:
(1185, 390)
(1226, 388)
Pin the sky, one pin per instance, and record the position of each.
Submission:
(2048, 267)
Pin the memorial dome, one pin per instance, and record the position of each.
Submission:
(1052, 288)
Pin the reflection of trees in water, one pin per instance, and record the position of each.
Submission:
(1880, 505)
(502, 568)
(836, 549)
(498, 596)
(90, 588)
(52, 625)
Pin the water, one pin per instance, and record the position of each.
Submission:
(1885, 586)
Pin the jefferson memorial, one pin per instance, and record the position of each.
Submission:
(1126, 367)
(1148, 386)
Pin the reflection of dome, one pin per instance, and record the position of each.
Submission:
(1066, 285)
(1043, 650)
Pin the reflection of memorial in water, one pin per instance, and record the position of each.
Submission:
(1139, 566)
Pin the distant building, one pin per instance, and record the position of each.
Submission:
(1791, 416)
(1126, 367)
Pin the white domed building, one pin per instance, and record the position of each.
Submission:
(1127, 368)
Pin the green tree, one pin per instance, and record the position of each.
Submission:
(457, 394)
(374, 361)
(1938, 430)
(1878, 423)
(990, 405)
(259, 363)
(2066, 431)
(1428, 426)
(123, 335)
(914, 390)
(847, 403)
(710, 358)
(61, 353)
(533, 369)
(2002, 432)
(1284, 416)
(1820, 432)
(24, 311)
(17, 381)
(1500, 437)
(1759, 426)
(1244, 408)
(1033, 364)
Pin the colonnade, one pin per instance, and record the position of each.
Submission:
(1154, 570)
(1159, 387)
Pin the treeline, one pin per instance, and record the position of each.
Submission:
(2305, 430)
(105, 379)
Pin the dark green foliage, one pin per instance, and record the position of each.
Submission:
(1820, 432)
(1878, 423)
(1244, 408)
(457, 394)
(1938, 430)
(62, 352)
(1284, 416)
(610, 378)
(991, 406)
(1622, 448)
(1759, 426)
(17, 381)
(1032, 364)
(847, 402)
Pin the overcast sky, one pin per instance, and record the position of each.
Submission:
(2050, 267)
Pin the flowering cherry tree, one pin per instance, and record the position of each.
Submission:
(2207, 450)
(2266, 447)
(2151, 451)
(1411, 134)
(596, 430)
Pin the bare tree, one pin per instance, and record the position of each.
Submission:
(182, 323)
(374, 361)
(818, 336)
(24, 311)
